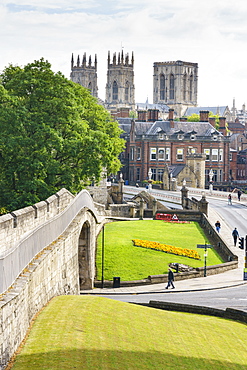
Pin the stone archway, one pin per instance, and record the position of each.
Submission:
(83, 257)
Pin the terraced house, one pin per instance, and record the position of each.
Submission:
(178, 150)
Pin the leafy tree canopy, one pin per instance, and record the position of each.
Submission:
(53, 135)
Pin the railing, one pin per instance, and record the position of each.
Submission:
(13, 261)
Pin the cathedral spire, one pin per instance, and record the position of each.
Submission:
(72, 61)
(78, 61)
(95, 62)
(84, 60)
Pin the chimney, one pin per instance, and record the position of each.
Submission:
(222, 125)
(204, 115)
(171, 117)
(123, 112)
(183, 119)
(153, 115)
(142, 115)
(212, 121)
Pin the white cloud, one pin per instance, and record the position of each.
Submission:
(210, 33)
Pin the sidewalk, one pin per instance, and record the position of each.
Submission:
(224, 280)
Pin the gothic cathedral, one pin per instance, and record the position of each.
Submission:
(175, 84)
(120, 88)
(85, 74)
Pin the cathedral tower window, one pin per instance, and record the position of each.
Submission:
(90, 86)
(115, 91)
(172, 86)
(126, 92)
(191, 87)
(184, 86)
(162, 87)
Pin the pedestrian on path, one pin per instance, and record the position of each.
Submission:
(235, 235)
(217, 226)
(239, 194)
(229, 199)
(170, 279)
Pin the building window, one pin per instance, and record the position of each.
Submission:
(180, 136)
(215, 155)
(90, 86)
(162, 87)
(191, 87)
(215, 178)
(153, 174)
(184, 86)
(172, 85)
(207, 153)
(153, 153)
(132, 154)
(230, 157)
(221, 155)
(220, 175)
(138, 154)
(126, 92)
(161, 154)
(180, 154)
(193, 150)
(160, 174)
(115, 91)
(168, 151)
(138, 172)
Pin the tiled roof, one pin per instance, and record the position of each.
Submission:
(215, 110)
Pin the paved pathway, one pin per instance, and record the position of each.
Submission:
(227, 279)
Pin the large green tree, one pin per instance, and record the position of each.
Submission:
(53, 135)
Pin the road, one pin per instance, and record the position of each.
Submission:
(235, 297)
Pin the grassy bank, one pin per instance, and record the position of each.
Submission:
(85, 332)
(133, 263)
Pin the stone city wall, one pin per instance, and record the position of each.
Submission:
(54, 271)
(16, 224)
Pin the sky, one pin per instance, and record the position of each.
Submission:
(212, 33)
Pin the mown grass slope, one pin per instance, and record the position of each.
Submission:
(86, 332)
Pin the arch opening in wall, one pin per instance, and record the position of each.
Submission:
(85, 280)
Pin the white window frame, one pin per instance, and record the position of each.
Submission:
(207, 153)
(153, 154)
(215, 155)
(180, 154)
(138, 153)
(161, 157)
(221, 155)
(168, 154)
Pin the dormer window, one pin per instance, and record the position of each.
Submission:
(215, 137)
(180, 136)
(193, 137)
(161, 136)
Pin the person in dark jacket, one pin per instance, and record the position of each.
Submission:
(217, 226)
(170, 279)
(235, 235)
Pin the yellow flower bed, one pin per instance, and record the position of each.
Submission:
(191, 253)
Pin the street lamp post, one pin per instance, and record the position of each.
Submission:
(211, 175)
(103, 257)
(149, 180)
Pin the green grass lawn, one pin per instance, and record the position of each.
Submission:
(86, 332)
(132, 263)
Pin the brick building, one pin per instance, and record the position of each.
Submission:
(158, 145)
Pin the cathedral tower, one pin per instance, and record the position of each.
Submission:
(175, 84)
(85, 74)
(120, 88)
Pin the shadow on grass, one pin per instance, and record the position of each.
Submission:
(117, 360)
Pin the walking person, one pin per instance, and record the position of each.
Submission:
(170, 279)
(239, 194)
(217, 226)
(229, 199)
(235, 235)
